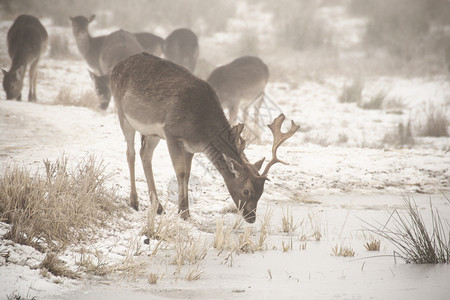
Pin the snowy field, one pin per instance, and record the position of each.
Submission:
(342, 175)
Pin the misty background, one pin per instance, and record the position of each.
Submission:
(297, 38)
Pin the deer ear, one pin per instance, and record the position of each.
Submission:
(92, 17)
(4, 72)
(259, 164)
(233, 166)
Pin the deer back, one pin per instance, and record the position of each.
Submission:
(150, 42)
(181, 47)
(116, 47)
(244, 77)
(152, 93)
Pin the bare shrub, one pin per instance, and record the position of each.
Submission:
(67, 98)
(58, 209)
(352, 93)
(398, 26)
(59, 47)
(436, 123)
(415, 242)
(298, 24)
(401, 136)
(394, 105)
(375, 102)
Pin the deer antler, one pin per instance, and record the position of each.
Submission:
(278, 139)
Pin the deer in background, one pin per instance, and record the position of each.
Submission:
(118, 46)
(162, 100)
(89, 47)
(27, 40)
(150, 42)
(102, 53)
(241, 81)
(181, 47)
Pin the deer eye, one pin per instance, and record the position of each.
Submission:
(246, 192)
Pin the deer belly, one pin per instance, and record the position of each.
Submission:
(155, 129)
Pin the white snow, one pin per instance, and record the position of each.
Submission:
(333, 185)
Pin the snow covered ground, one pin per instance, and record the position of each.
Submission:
(341, 175)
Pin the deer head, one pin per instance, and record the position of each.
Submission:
(13, 82)
(80, 25)
(101, 84)
(247, 185)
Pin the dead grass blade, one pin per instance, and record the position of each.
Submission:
(414, 241)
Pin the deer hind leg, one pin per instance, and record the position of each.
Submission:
(181, 160)
(33, 79)
(129, 134)
(258, 120)
(148, 145)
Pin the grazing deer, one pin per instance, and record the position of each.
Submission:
(181, 47)
(116, 47)
(150, 42)
(27, 40)
(102, 53)
(162, 100)
(242, 80)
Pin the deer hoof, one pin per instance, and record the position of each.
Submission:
(160, 210)
(184, 214)
(134, 202)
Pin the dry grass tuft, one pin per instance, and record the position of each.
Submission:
(414, 241)
(154, 277)
(87, 99)
(194, 274)
(14, 296)
(340, 250)
(373, 245)
(57, 267)
(165, 227)
(287, 246)
(189, 251)
(94, 263)
(62, 207)
(227, 238)
(436, 122)
(288, 224)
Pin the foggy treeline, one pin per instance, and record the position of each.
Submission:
(405, 30)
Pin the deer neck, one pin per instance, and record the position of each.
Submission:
(20, 59)
(221, 144)
(89, 48)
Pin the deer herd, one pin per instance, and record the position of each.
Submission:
(157, 94)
